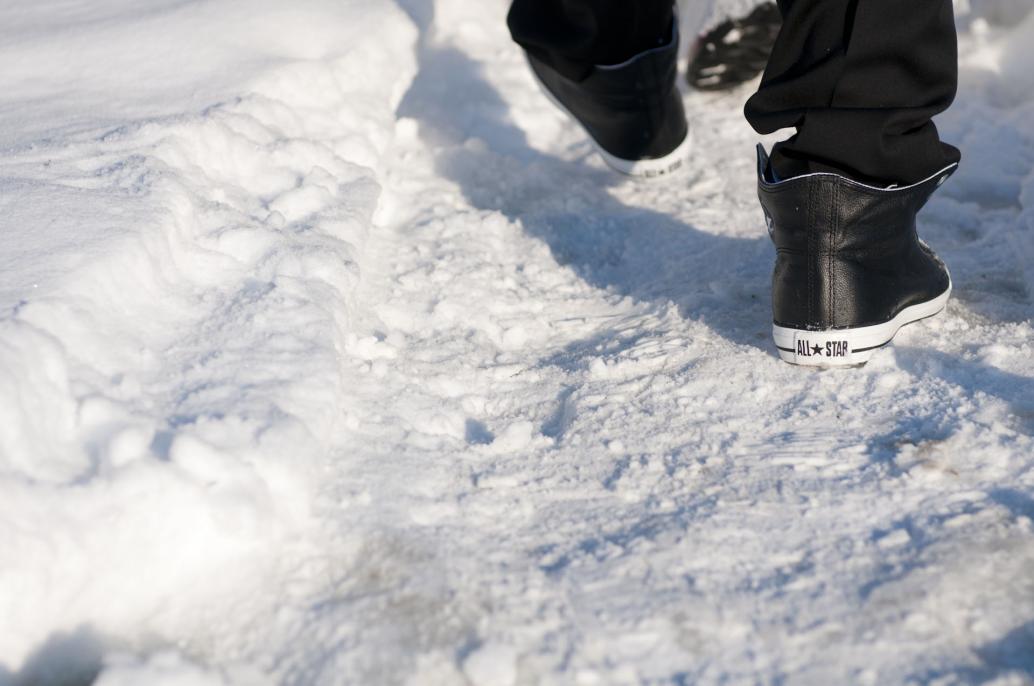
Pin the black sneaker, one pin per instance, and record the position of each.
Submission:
(850, 269)
(735, 51)
(632, 111)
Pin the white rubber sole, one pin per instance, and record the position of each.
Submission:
(647, 169)
(847, 347)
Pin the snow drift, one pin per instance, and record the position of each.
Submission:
(199, 180)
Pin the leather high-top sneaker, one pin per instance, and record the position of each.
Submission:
(850, 270)
(632, 111)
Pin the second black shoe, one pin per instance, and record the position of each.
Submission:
(850, 269)
(632, 111)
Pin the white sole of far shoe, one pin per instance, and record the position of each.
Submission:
(647, 169)
(847, 347)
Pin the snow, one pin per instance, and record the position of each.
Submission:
(330, 353)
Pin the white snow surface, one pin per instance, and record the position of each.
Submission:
(330, 354)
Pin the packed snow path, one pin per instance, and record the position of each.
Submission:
(348, 362)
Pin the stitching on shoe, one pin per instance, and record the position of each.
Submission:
(654, 110)
(835, 225)
(811, 254)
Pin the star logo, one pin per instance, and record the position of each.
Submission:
(816, 349)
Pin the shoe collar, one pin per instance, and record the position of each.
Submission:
(763, 177)
(673, 42)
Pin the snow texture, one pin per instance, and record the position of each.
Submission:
(330, 353)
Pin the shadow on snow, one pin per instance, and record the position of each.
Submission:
(628, 251)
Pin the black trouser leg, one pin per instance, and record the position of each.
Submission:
(860, 80)
(573, 35)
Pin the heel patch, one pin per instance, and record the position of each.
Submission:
(821, 348)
